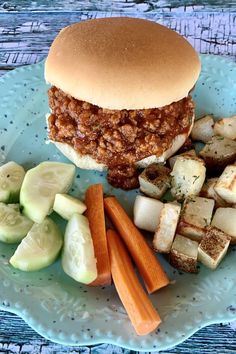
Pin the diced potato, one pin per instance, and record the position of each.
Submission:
(165, 232)
(218, 153)
(225, 220)
(226, 184)
(195, 217)
(172, 159)
(226, 127)
(188, 176)
(147, 213)
(155, 180)
(183, 254)
(203, 129)
(208, 191)
(213, 247)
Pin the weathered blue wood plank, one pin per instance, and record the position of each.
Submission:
(17, 337)
(25, 38)
(120, 5)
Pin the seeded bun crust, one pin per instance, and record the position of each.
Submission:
(122, 63)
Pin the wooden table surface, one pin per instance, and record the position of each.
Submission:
(27, 29)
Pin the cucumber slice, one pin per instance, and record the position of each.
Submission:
(11, 178)
(13, 225)
(40, 186)
(78, 259)
(66, 205)
(15, 207)
(39, 248)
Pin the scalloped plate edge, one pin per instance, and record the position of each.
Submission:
(225, 317)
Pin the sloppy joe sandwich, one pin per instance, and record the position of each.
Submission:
(120, 97)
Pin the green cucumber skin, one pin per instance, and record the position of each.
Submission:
(12, 193)
(11, 198)
(12, 239)
(31, 207)
(35, 267)
(82, 274)
(28, 213)
(32, 264)
(14, 197)
(13, 233)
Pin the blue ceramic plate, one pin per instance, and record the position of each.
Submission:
(61, 309)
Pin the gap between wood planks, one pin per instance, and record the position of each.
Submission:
(121, 5)
(215, 339)
(25, 38)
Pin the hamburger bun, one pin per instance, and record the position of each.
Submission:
(122, 63)
(119, 64)
(86, 162)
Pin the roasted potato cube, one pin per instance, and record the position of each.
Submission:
(226, 184)
(165, 231)
(226, 127)
(155, 180)
(147, 213)
(203, 129)
(218, 153)
(208, 191)
(183, 254)
(213, 247)
(225, 220)
(172, 159)
(195, 217)
(188, 176)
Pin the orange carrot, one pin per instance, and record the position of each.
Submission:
(148, 265)
(142, 313)
(96, 217)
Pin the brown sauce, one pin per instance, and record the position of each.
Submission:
(117, 138)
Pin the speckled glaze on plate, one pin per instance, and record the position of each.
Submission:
(61, 309)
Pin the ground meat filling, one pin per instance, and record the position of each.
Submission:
(117, 138)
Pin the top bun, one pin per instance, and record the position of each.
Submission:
(122, 63)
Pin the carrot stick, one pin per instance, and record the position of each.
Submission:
(142, 313)
(96, 217)
(148, 265)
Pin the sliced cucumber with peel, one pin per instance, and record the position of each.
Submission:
(15, 207)
(13, 225)
(39, 248)
(40, 186)
(65, 205)
(78, 259)
(11, 178)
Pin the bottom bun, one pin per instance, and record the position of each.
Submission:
(178, 141)
(87, 162)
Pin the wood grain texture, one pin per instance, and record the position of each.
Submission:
(217, 339)
(118, 5)
(25, 38)
(27, 28)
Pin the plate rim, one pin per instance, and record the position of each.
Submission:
(29, 319)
